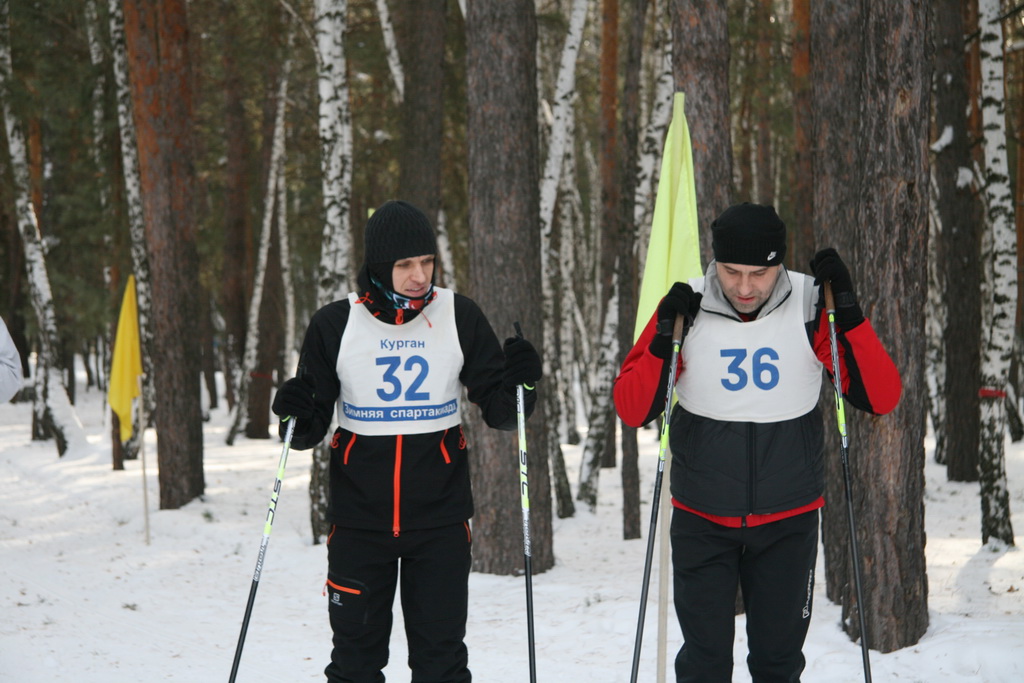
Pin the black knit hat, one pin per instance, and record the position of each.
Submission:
(749, 234)
(398, 230)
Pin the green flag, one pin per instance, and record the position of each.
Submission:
(673, 251)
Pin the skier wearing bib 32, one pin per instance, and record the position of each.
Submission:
(394, 360)
(746, 436)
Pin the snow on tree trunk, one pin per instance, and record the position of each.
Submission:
(391, 48)
(252, 338)
(1000, 289)
(335, 276)
(53, 404)
(136, 218)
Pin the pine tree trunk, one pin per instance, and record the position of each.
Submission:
(1000, 289)
(501, 40)
(422, 31)
(801, 225)
(958, 253)
(700, 62)
(636, 15)
(161, 84)
(238, 271)
(871, 82)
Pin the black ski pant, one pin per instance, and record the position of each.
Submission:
(773, 564)
(432, 567)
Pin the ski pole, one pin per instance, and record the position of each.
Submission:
(263, 545)
(524, 496)
(677, 342)
(830, 309)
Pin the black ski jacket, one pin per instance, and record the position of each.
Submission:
(402, 482)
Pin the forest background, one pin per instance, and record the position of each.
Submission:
(227, 153)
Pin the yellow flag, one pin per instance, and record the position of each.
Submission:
(673, 252)
(127, 364)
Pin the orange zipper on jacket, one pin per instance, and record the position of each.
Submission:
(395, 524)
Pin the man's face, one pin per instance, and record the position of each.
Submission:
(411, 276)
(747, 287)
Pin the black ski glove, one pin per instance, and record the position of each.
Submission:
(680, 300)
(828, 267)
(522, 364)
(295, 398)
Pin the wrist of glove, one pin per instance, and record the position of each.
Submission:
(295, 398)
(680, 300)
(827, 266)
(522, 364)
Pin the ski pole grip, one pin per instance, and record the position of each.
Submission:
(830, 301)
(519, 330)
(677, 329)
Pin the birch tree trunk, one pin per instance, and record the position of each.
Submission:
(601, 417)
(253, 333)
(335, 272)
(1000, 289)
(653, 137)
(136, 218)
(52, 402)
(871, 80)
(552, 284)
(391, 47)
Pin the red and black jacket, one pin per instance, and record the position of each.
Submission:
(748, 473)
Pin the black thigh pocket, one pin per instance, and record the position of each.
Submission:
(346, 598)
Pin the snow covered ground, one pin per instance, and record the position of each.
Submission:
(84, 598)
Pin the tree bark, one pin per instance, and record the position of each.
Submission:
(959, 251)
(53, 407)
(156, 33)
(801, 225)
(335, 273)
(871, 81)
(501, 38)
(1000, 290)
(636, 16)
(700, 62)
(422, 33)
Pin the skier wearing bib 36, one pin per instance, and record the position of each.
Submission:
(746, 436)
(394, 359)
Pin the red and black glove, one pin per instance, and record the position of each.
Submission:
(680, 300)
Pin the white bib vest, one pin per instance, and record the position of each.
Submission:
(400, 379)
(762, 371)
